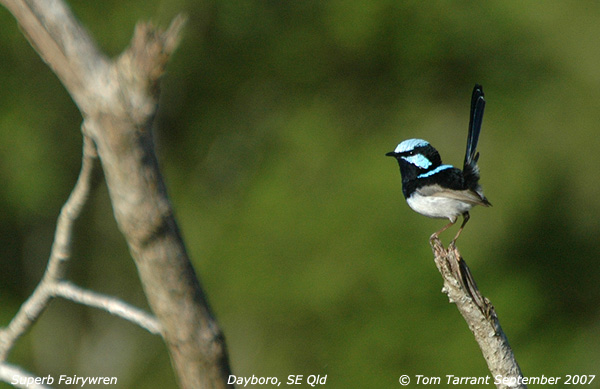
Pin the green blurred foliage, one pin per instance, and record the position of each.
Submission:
(274, 121)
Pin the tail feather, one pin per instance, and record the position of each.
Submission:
(476, 118)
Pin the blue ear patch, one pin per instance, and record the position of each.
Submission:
(410, 144)
(418, 160)
(434, 171)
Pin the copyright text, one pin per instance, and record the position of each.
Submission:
(450, 379)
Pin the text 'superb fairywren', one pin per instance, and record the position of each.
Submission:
(443, 191)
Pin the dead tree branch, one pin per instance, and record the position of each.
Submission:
(52, 284)
(59, 255)
(479, 314)
(118, 101)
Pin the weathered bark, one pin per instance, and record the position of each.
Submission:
(479, 314)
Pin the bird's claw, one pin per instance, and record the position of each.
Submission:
(436, 244)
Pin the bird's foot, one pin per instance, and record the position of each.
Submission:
(452, 245)
(436, 244)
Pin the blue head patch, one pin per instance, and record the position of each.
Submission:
(410, 144)
(418, 160)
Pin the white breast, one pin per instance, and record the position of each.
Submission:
(437, 206)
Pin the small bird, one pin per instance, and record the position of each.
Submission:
(443, 191)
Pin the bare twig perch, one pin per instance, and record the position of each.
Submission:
(118, 101)
(479, 314)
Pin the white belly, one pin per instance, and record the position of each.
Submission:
(438, 207)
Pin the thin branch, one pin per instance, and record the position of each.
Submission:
(20, 378)
(60, 252)
(109, 304)
(59, 255)
(479, 314)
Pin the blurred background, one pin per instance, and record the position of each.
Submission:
(274, 120)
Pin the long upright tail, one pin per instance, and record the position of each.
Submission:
(471, 156)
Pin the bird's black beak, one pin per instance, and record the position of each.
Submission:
(391, 154)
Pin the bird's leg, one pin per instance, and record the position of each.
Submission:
(435, 235)
(466, 217)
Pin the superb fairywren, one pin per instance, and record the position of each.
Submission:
(443, 191)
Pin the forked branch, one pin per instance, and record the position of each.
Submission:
(59, 256)
(52, 284)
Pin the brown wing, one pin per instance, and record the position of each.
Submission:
(466, 195)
